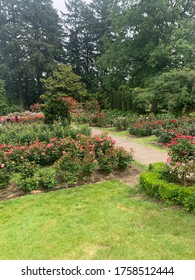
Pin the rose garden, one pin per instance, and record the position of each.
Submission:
(97, 130)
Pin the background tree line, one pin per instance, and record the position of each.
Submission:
(139, 54)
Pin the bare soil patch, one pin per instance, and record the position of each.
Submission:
(129, 176)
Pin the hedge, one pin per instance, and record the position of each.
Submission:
(154, 184)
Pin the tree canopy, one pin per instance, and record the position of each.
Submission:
(117, 48)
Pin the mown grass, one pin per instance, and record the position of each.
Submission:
(109, 220)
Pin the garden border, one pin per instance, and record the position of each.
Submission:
(154, 184)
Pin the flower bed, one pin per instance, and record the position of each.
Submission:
(28, 117)
(73, 158)
(25, 134)
(182, 158)
(146, 125)
(174, 181)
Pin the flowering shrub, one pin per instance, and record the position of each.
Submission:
(107, 160)
(90, 113)
(123, 158)
(26, 134)
(182, 157)
(97, 119)
(73, 104)
(37, 107)
(165, 135)
(182, 148)
(165, 127)
(142, 128)
(74, 158)
(5, 175)
(68, 169)
(121, 123)
(25, 118)
(86, 154)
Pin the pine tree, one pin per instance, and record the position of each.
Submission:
(30, 46)
(85, 26)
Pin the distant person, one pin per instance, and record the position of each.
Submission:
(0, 122)
(16, 119)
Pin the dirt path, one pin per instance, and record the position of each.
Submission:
(143, 154)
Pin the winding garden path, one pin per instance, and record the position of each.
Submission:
(143, 154)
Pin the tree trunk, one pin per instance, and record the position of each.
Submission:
(21, 95)
(154, 106)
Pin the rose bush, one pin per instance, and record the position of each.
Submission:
(73, 158)
(182, 158)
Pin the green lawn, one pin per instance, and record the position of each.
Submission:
(101, 221)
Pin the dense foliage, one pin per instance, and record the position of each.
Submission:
(139, 54)
(155, 183)
(68, 154)
(30, 46)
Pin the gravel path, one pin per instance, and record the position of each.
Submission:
(143, 154)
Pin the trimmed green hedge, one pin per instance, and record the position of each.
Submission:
(154, 184)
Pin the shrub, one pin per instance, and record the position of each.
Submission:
(92, 106)
(164, 135)
(123, 158)
(107, 161)
(182, 157)
(121, 123)
(37, 107)
(141, 129)
(5, 175)
(25, 134)
(27, 169)
(56, 109)
(88, 164)
(28, 184)
(68, 168)
(47, 178)
(155, 184)
(97, 119)
(76, 158)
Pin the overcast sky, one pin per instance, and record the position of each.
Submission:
(60, 6)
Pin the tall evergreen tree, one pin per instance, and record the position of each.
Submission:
(101, 10)
(73, 23)
(86, 24)
(12, 47)
(30, 45)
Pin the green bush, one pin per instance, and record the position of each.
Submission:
(68, 169)
(6, 170)
(47, 178)
(5, 177)
(97, 119)
(25, 134)
(121, 123)
(107, 161)
(57, 109)
(123, 158)
(29, 184)
(164, 135)
(155, 184)
(27, 169)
